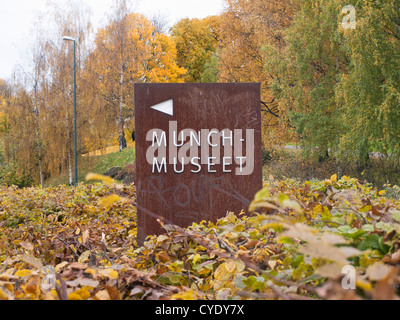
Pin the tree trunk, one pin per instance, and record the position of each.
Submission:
(38, 144)
(41, 172)
(121, 122)
(122, 142)
(71, 179)
(339, 171)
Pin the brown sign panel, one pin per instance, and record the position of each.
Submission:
(198, 152)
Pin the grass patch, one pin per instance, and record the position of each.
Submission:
(96, 164)
(292, 164)
(117, 159)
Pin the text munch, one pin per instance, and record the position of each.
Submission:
(198, 152)
(209, 147)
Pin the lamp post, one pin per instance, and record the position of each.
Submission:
(75, 134)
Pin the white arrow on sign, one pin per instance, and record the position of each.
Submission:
(166, 107)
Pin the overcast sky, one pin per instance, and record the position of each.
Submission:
(17, 18)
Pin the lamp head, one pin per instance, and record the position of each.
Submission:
(69, 39)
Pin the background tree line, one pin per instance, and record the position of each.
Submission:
(334, 91)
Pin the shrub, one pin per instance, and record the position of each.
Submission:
(9, 176)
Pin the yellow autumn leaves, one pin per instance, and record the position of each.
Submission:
(294, 247)
(227, 271)
(107, 201)
(88, 285)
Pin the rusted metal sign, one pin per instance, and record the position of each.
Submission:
(198, 152)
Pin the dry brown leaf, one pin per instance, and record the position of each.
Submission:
(331, 271)
(332, 238)
(384, 290)
(103, 295)
(78, 266)
(61, 266)
(163, 257)
(301, 232)
(109, 273)
(323, 251)
(27, 245)
(84, 282)
(85, 236)
(137, 290)
(113, 293)
(395, 257)
(350, 252)
(84, 256)
(31, 260)
(379, 271)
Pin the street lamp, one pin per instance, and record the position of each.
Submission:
(75, 135)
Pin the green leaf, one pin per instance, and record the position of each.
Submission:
(239, 281)
(286, 240)
(371, 241)
(254, 283)
(283, 197)
(396, 216)
(261, 195)
(175, 278)
(368, 228)
(347, 229)
(383, 247)
(356, 235)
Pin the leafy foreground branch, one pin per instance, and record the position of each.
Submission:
(80, 243)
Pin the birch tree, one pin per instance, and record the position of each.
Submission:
(130, 49)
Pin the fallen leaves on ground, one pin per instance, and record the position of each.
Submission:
(80, 244)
